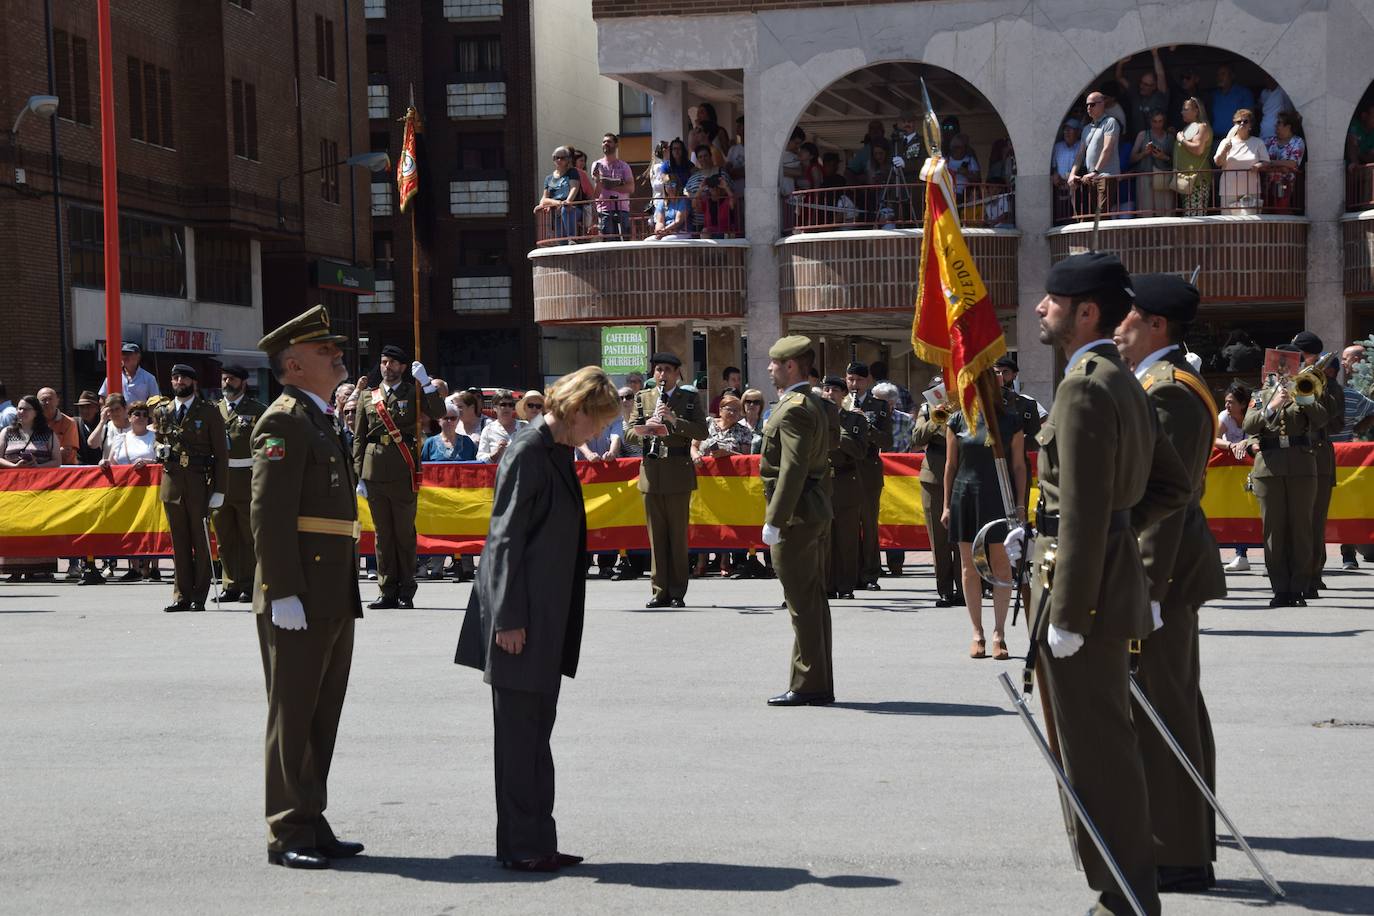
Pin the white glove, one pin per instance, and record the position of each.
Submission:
(216, 500)
(288, 613)
(417, 369)
(1063, 643)
(1156, 615)
(362, 489)
(771, 535)
(898, 162)
(1015, 542)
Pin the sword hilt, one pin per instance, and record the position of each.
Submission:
(1133, 646)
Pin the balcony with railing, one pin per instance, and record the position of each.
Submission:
(1357, 231)
(856, 248)
(1246, 230)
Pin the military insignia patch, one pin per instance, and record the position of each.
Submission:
(401, 405)
(274, 448)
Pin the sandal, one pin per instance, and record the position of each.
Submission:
(999, 649)
(978, 649)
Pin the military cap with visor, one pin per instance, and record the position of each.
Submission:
(790, 347)
(308, 327)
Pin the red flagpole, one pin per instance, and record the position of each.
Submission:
(109, 176)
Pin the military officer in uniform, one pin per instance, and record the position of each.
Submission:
(878, 413)
(1184, 567)
(1105, 472)
(842, 569)
(233, 528)
(1285, 482)
(929, 431)
(195, 465)
(1027, 409)
(305, 537)
(1333, 399)
(667, 418)
(794, 466)
(386, 460)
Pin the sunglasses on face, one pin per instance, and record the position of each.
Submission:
(506, 404)
(753, 403)
(627, 397)
(559, 158)
(535, 405)
(1242, 121)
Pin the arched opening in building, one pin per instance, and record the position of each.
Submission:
(1357, 226)
(1198, 131)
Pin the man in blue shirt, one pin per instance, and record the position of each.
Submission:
(7, 408)
(138, 383)
(1227, 99)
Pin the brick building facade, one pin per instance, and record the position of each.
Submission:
(218, 105)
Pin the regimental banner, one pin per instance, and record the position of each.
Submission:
(78, 511)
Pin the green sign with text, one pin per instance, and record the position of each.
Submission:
(624, 349)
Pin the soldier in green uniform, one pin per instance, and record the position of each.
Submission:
(929, 432)
(1285, 482)
(667, 418)
(878, 413)
(386, 459)
(1333, 399)
(305, 536)
(842, 575)
(233, 529)
(1026, 408)
(794, 467)
(1105, 472)
(1184, 567)
(195, 465)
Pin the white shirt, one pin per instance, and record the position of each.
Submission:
(1073, 360)
(1231, 429)
(127, 447)
(1150, 360)
(1272, 101)
(325, 407)
(140, 387)
(493, 434)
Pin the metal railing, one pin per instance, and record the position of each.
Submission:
(639, 219)
(1359, 186)
(892, 206)
(1269, 189)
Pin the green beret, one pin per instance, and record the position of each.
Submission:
(308, 327)
(1166, 295)
(791, 347)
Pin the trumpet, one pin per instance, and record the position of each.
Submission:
(1310, 383)
(939, 414)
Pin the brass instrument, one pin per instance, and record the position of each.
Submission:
(1310, 383)
(939, 414)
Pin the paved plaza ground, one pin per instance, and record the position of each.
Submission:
(131, 761)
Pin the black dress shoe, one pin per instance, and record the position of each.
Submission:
(246, 598)
(658, 602)
(1297, 600)
(177, 606)
(340, 849)
(541, 864)
(230, 596)
(1280, 599)
(91, 577)
(406, 604)
(873, 587)
(132, 575)
(298, 858)
(197, 605)
(1311, 593)
(624, 575)
(676, 603)
(567, 860)
(381, 604)
(792, 698)
(942, 601)
(1184, 879)
(848, 596)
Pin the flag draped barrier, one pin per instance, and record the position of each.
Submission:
(79, 511)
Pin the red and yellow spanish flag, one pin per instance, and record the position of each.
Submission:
(408, 166)
(955, 326)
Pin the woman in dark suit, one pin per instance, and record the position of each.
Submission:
(525, 631)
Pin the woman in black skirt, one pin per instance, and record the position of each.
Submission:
(972, 499)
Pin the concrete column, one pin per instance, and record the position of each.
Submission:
(1325, 314)
(189, 246)
(669, 117)
(676, 337)
(722, 349)
(762, 152)
(1034, 216)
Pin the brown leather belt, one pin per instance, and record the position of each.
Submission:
(342, 527)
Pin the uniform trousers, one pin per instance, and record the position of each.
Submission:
(190, 550)
(1184, 824)
(843, 567)
(1090, 696)
(525, 827)
(933, 505)
(668, 515)
(869, 568)
(234, 535)
(307, 678)
(1321, 507)
(1286, 513)
(799, 565)
(392, 504)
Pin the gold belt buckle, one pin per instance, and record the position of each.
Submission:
(184, 460)
(386, 439)
(1283, 442)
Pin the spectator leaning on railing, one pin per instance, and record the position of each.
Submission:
(672, 221)
(615, 181)
(561, 188)
(1287, 150)
(28, 442)
(1192, 159)
(496, 436)
(1098, 162)
(1241, 155)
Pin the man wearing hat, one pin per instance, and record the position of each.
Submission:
(305, 533)
(1284, 480)
(87, 419)
(667, 418)
(137, 383)
(878, 413)
(190, 444)
(1027, 409)
(1184, 567)
(929, 432)
(386, 460)
(1105, 471)
(1333, 399)
(795, 468)
(842, 570)
(233, 527)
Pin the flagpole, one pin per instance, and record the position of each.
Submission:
(109, 179)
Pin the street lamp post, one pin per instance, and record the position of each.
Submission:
(45, 106)
(373, 162)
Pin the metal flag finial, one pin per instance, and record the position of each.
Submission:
(930, 125)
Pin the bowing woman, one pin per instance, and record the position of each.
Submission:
(526, 632)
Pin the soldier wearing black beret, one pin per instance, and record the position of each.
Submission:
(878, 413)
(233, 526)
(1333, 399)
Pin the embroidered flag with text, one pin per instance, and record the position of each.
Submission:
(408, 166)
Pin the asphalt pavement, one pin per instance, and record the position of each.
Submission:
(131, 761)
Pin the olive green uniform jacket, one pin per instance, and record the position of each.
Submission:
(238, 429)
(200, 437)
(674, 472)
(375, 456)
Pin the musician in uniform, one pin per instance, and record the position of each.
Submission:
(1184, 567)
(1333, 399)
(305, 537)
(233, 528)
(1027, 409)
(1285, 482)
(929, 431)
(190, 444)
(667, 418)
(842, 569)
(386, 460)
(794, 466)
(1105, 472)
(878, 413)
